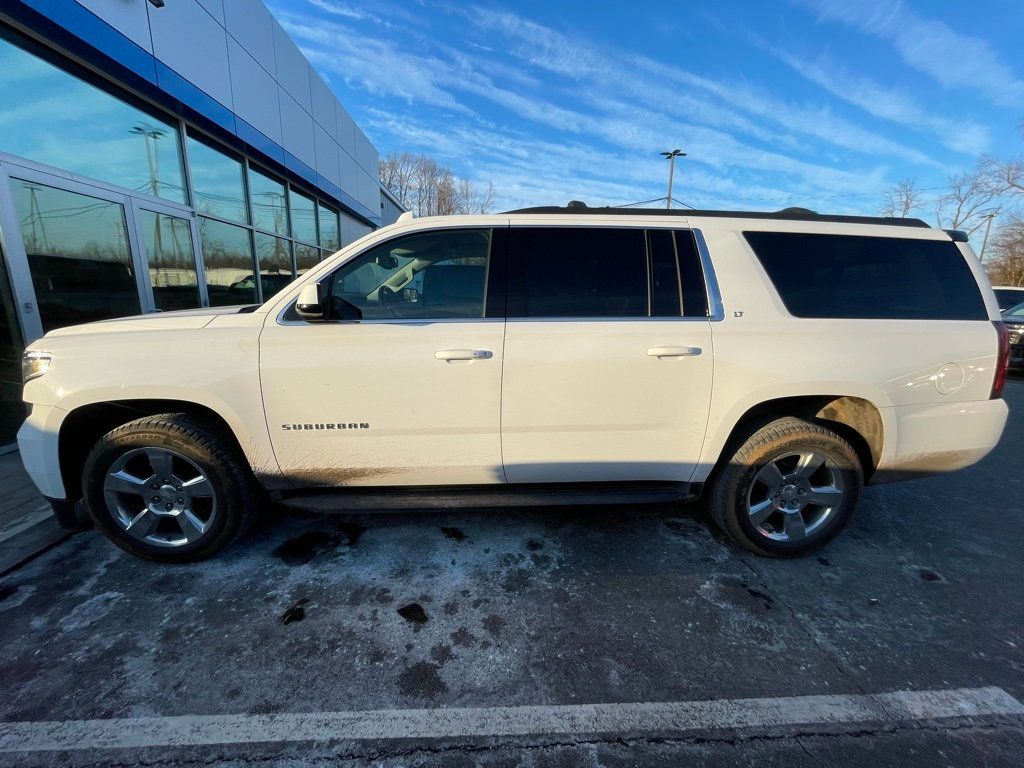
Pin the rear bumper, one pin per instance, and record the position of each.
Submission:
(940, 438)
(38, 444)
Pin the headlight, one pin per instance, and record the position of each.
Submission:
(34, 364)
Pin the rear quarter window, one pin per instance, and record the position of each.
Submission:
(858, 277)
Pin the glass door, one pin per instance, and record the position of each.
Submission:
(168, 237)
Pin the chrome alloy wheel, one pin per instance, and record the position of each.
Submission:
(795, 494)
(160, 497)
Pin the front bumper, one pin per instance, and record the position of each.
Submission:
(38, 444)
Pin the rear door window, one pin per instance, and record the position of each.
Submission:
(858, 277)
(578, 272)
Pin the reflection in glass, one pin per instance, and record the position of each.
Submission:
(228, 263)
(12, 410)
(275, 259)
(54, 118)
(306, 257)
(329, 238)
(303, 217)
(269, 203)
(172, 260)
(77, 248)
(217, 183)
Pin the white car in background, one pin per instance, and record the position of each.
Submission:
(1008, 296)
(773, 363)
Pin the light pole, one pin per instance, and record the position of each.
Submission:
(671, 157)
(984, 242)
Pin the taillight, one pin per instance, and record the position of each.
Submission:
(1002, 360)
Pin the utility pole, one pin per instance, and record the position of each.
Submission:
(984, 242)
(671, 157)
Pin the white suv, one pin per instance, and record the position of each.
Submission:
(773, 362)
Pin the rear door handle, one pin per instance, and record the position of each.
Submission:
(463, 354)
(660, 352)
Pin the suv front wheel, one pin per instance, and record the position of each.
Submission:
(168, 487)
(790, 488)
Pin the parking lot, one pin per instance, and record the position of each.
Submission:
(397, 615)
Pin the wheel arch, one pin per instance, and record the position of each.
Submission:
(857, 420)
(82, 427)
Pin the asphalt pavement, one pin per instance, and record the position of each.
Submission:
(486, 637)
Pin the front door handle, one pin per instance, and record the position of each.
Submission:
(463, 354)
(661, 352)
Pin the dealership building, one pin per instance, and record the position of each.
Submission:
(163, 155)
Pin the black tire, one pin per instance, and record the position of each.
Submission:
(732, 486)
(200, 443)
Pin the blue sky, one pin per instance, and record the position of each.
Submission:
(820, 103)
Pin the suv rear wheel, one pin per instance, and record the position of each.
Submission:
(788, 489)
(168, 488)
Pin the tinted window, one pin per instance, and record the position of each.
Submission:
(1008, 297)
(665, 296)
(55, 118)
(227, 259)
(428, 275)
(303, 217)
(578, 272)
(218, 183)
(269, 203)
(847, 276)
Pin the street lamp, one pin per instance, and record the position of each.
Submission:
(671, 157)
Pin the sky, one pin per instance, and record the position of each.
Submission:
(824, 104)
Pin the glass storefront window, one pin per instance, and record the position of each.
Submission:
(329, 238)
(303, 217)
(306, 257)
(172, 260)
(12, 410)
(218, 183)
(78, 255)
(228, 263)
(269, 203)
(275, 259)
(54, 118)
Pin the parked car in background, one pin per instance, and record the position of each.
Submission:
(1008, 296)
(774, 362)
(1013, 319)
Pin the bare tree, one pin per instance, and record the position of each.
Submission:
(428, 188)
(1004, 177)
(1006, 267)
(902, 200)
(968, 202)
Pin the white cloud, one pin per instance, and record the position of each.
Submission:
(952, 59)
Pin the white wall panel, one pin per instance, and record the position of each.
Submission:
(292, 67)
(326, 154)
(349, 173)
(296, 129)
(323, 103)
(366, 153)
(250, 23)
(128, 17)
(346, 129)
(252, 89)
(214, 7)
(180, 31)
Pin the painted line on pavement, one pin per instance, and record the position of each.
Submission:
(672, 718)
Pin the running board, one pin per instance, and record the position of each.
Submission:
(532, 495)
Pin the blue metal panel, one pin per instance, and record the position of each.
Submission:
(258, 141)
(194, 98)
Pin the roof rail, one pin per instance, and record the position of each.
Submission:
(786, 214)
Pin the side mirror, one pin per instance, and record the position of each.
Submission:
(310, 305)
